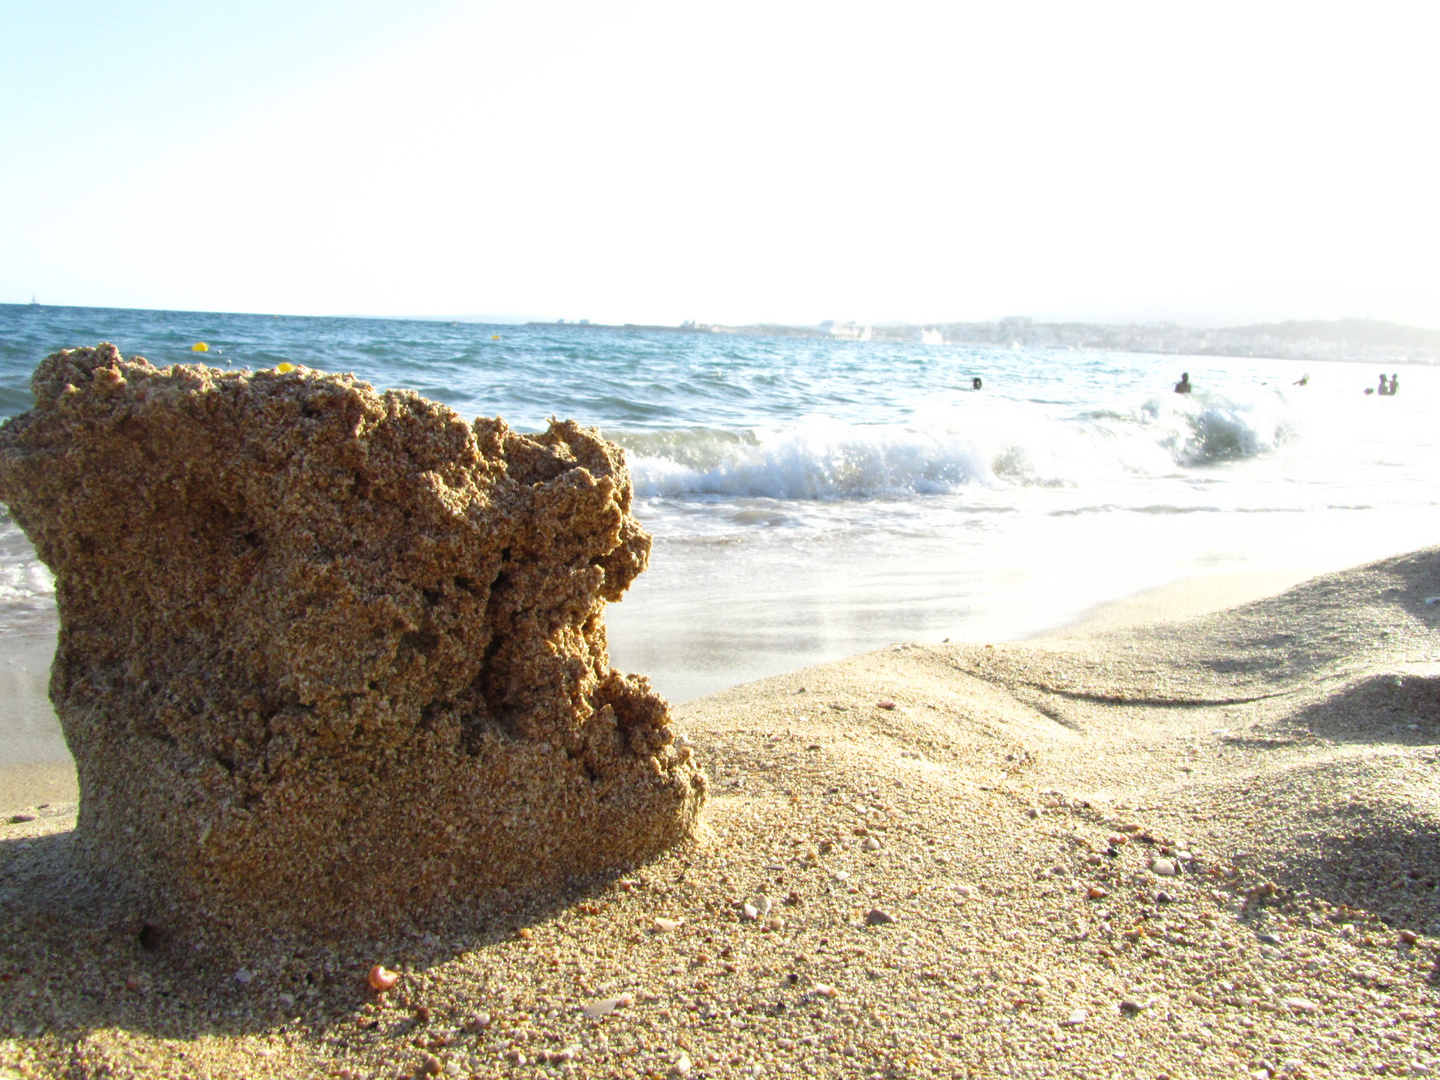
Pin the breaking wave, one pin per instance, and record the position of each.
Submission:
(1005, 444)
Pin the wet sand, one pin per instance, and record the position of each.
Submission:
(35, 765)
(1196, 848)
(28, 730)
(1183, 599)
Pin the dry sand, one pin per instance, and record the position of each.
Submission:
(964, 851)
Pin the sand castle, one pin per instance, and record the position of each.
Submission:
(332, 661)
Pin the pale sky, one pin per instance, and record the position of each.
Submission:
(728, 162)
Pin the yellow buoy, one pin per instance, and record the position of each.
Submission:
(494, 337)
(199, 346)
(284, 369)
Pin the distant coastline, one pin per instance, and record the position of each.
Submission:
(1340, 339)
(1359, 340)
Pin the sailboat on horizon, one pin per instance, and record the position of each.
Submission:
(33, 301)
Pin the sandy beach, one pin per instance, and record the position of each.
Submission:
(35, 765)
(1201, 847)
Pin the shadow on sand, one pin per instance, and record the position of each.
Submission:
(75, 958)
(1378, 709)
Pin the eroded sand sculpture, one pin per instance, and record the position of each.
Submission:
(333, 661)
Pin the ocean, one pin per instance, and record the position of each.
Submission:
(813, 498)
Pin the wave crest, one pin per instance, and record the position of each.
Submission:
(1005, 444)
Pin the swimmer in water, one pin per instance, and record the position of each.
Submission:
(1394, 384)
(1183, 386)
(1304, 380)
(975, 383)
(1384, 386)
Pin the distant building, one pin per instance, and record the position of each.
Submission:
(848, 330)
(931, 336)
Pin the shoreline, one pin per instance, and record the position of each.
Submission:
(1184, 598)
(35, 765)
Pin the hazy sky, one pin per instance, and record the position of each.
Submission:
(727, 162)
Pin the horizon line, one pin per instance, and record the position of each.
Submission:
(509, 319)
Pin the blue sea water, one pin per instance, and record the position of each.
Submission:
(811, 498)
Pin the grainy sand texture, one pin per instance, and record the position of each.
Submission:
(331, 661)
(1204, 848)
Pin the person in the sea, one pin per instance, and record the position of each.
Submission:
(975, 383)
(1183, 386)
(1304, 380)
(1384, 386)
(1394, 385)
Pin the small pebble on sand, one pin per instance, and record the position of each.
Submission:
(382, 979)
(1165, 867)
(666, 926)
(870, 844)
(886, 704)
(1076, 1018)
(876, 917)
(756, 908)
(605, 1006)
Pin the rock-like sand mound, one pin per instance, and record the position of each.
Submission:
(332, 660)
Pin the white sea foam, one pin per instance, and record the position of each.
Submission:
(1219, 427)
(25, 579)
(946, 448)
(27, 588)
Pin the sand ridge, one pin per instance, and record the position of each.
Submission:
(1200, 849)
